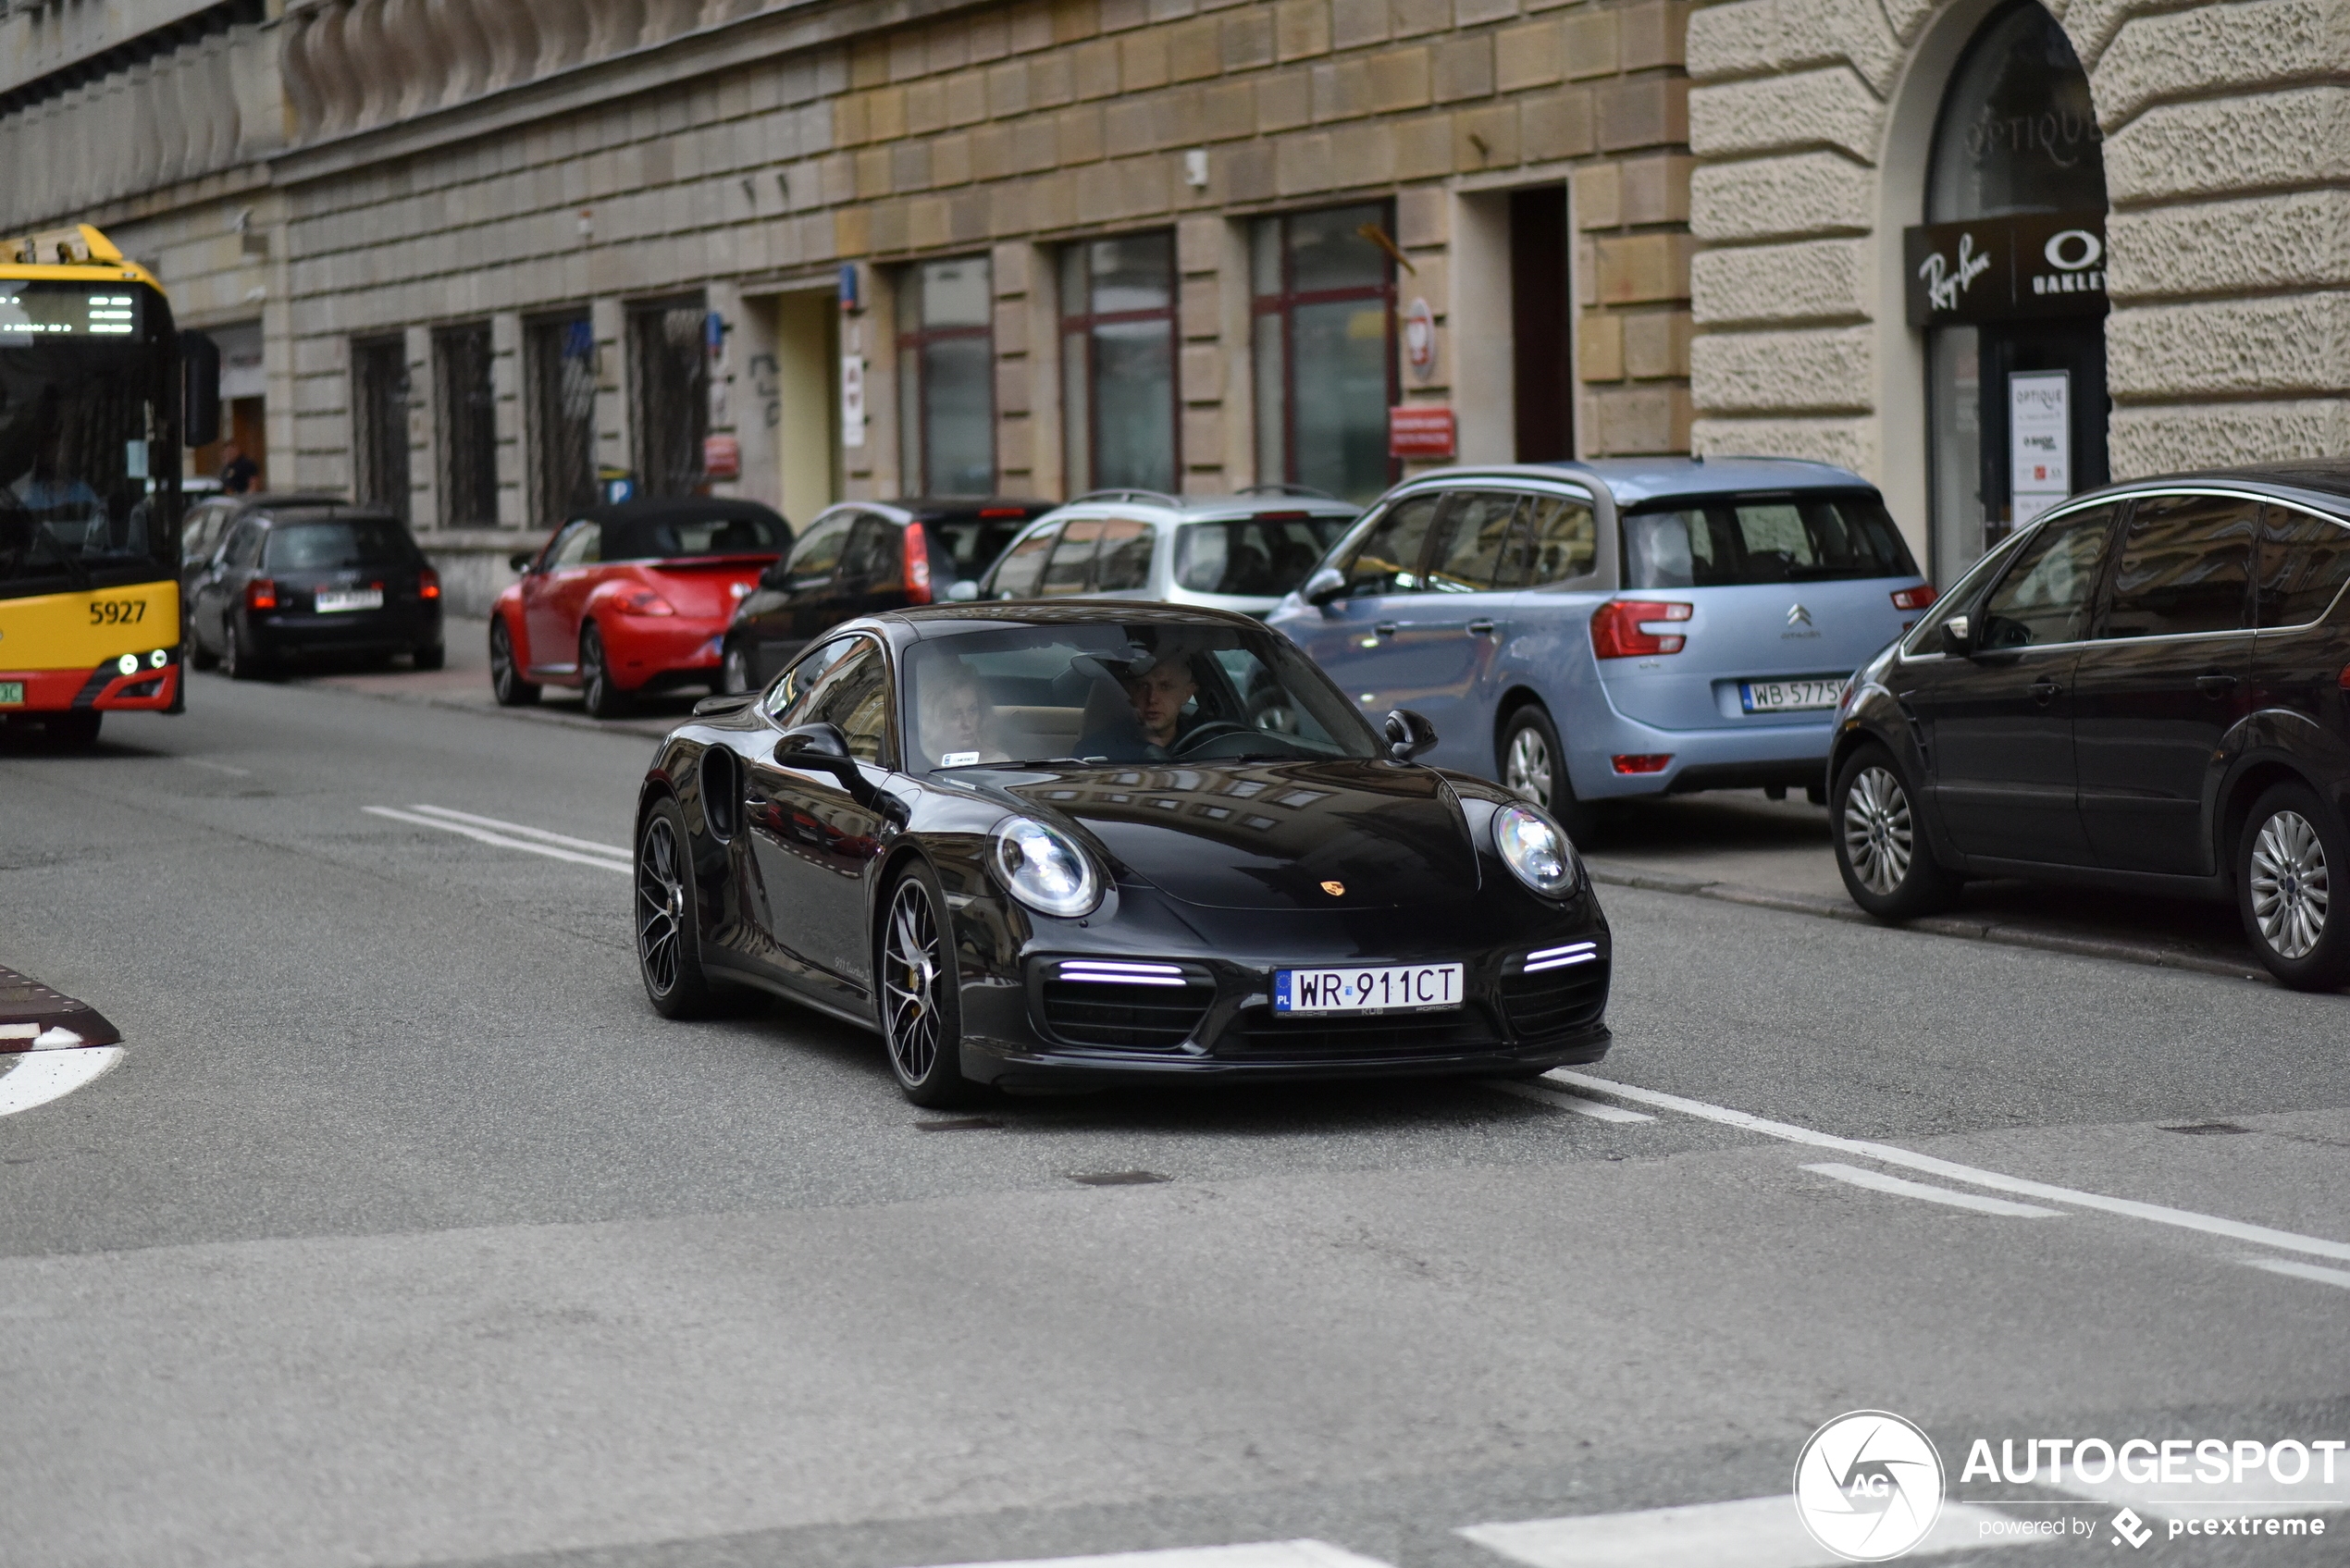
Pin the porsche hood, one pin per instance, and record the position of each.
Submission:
(1317, 835)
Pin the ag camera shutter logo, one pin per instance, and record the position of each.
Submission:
(1868, 1486)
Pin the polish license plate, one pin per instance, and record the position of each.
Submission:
(333, 599)
(11, 694)
(1787, 697)
(1402, 988)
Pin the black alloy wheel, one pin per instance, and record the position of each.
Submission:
(1880, 848)
(2284, 888)
(600, 696)
(505, 675)
(668, 935)
(237, 661)
(431, 657)
(1533, 766)
(920, 1006)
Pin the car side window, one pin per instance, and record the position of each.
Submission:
(581, 546)
(1125, 558)
(2305, 559)
(854, 694)
(2045, 597)
(2185, 567)
(1387, 559)
(1473, 556)
(1070, 571)
(791, 688)
(1018, 574)
(818, 551)
(874, 554)
(245, 546)
(195, 533)
(1557, 539)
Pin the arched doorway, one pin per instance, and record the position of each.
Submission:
(2006, 276)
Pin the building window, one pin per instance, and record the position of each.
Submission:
(946, 379)
(561, 353)
(379, 423)
(468, 410)
(1117, 363)
(1325, 358)
(669, 375)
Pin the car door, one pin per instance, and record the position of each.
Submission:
(2296, 657)
(2162, 686)
(811, 604)
(815, 842)
(1354, 636)
(1021, 571)
(551, 594)
(1068, 570)
(224, 582)
(1999, 720)
(872, 577)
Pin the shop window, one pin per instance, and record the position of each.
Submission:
(1117, 363)
(946, 379)
(1324, 349)
(468, 410)
(561, 354)
(379, 423)
(669, 385)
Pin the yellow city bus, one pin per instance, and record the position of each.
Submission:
(91, 406)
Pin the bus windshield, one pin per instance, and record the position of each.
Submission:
(87, 466)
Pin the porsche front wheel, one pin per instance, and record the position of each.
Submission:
(920, 1007)
(668, 934)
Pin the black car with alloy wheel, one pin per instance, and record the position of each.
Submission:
(1097, 841)
(2146, 690)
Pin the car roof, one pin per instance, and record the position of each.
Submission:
(1265, 497)
(2323, 479)
(924, 508)
(308, 512)
(279, 500)
(663, 509)
(1632, 480)
(954, 619)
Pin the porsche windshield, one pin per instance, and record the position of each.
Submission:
(1106, 692)
(84, 439)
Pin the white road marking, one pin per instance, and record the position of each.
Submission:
(541, 835)
(2302, 1270)
(217, 767)
(40, 1077)
(1582, 1105)
(600, 858)
(1887, 1153)
(1878, 1181)
(1260, 1555)
(1760, 1532)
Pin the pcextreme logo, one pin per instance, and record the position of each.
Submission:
(1868, 1486)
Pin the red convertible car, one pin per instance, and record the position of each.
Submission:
(629, 599)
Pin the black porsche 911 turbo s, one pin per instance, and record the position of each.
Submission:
(1091, 843)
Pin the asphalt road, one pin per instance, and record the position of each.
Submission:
(406, 1233)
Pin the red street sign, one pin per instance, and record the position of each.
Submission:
(721, 457)
(1420, 430)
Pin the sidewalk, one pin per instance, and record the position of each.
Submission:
(1742, 848)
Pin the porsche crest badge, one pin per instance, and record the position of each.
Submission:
(1335, 889)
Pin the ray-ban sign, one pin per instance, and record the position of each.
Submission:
(2005, 269)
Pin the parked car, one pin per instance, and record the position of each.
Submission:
(1238, 552)
(289, 577)
(2145, 690)
(861, 558)
(1588, 631)
(630, 597)
(1036, 844)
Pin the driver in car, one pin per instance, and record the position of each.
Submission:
(1158, 694)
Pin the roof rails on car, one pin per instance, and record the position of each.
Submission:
(1153, 496)
(1285, 490)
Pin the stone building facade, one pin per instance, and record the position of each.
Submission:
(482, 237)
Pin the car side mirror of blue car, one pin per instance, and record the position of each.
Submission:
(1408, 734)
(1323, 586)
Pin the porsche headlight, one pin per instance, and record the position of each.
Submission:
(1044, 869)
(1535, 849)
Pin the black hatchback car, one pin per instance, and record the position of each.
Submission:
(2147, 690)
(862, 558)
(296, 576)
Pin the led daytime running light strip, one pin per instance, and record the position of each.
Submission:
(1107, 973)
(1559, 957)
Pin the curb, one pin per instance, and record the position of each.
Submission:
(1976, 928)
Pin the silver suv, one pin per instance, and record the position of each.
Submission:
(1240, 552)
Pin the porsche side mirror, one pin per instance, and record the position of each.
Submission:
(821, 749)
(1323, 586)
(520, 561)
(1408, 734)
(963, 592)
(1958, 636)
